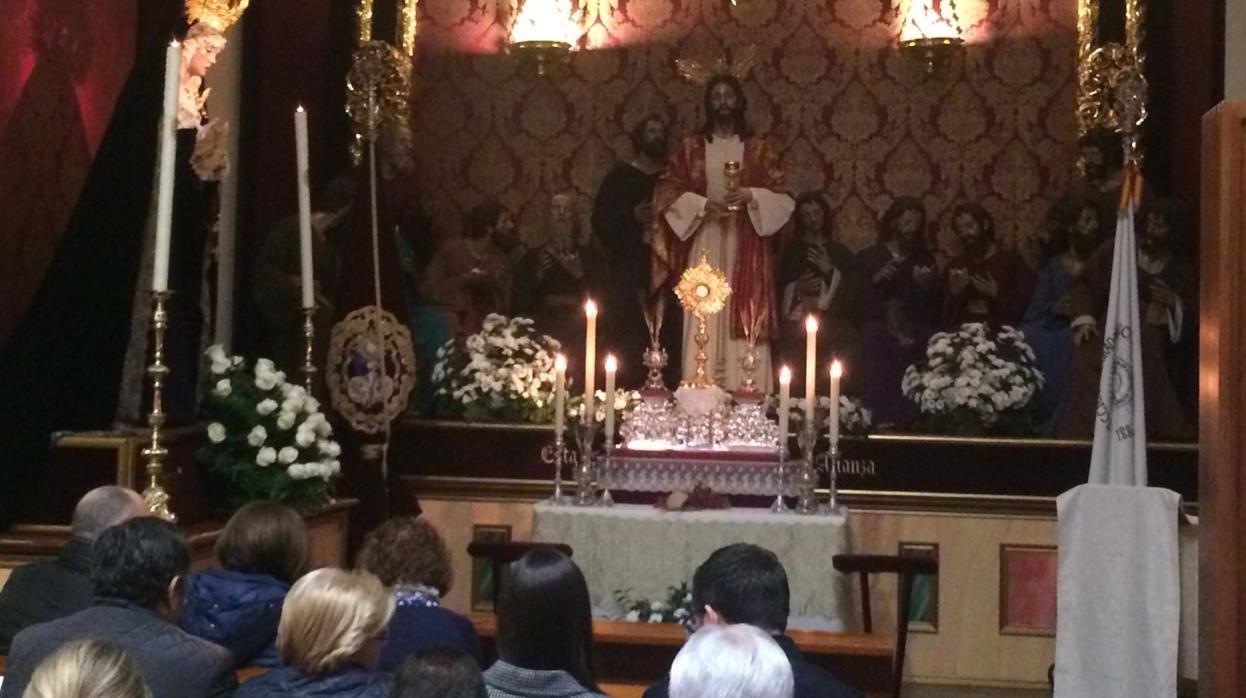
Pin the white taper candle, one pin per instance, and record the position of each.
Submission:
(612, 367)
(166, 167)
(304, 189)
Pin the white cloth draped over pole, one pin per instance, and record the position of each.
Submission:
(1119, 453)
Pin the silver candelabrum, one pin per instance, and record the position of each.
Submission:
(557, 454)
(585, 490)
(806, 474)
(830, 461)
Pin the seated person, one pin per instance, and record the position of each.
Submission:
(410, 557)
(44, 591)
(330, 638)
(545, 631)
(742, 583)
(439, 676)
(262, 551)
(731, 661)
(814, 278)
(87, 669)
(553, 278)
(137, 569)
(468, 277)
(984, 283)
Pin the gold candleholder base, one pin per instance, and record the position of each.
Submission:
(155, 496)
(309, 334)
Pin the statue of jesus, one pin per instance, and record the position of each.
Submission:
(732, 220)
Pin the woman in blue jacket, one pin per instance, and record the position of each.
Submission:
(262, 551)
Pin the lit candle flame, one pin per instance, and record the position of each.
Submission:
(785, 375)
(811, 324)
(560, 363)
(837, 369)
(612, 364)
(590, 308)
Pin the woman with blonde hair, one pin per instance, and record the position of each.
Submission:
(90, 668)
(330, 638)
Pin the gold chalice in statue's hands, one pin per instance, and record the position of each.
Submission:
(703, 291)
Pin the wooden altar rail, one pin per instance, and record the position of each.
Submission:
(629, 656)
(326, 529)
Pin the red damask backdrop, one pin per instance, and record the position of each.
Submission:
(62, 66)
(848, 113)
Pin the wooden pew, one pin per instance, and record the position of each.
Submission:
(629, 656)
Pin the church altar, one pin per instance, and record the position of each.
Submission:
(644, 550)
(743, 473)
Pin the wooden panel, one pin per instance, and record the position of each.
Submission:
(968, 649)
(1222, 404)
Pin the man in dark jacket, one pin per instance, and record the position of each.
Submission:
(137, 569)
(45, 591)
(743, 583)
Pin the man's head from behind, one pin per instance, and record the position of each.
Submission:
(438, 675)
(103, 507)
(742, 583)
(143, 562)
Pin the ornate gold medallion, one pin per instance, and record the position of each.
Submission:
(370, 370)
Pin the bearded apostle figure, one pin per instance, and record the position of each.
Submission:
(699, 210)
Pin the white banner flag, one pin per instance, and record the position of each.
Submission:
(1119, 454)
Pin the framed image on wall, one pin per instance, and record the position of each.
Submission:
(1027, 590)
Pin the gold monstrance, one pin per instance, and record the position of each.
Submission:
(703, 291)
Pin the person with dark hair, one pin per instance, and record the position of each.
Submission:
(622, 218)
(469, 277)
(278, 279)
(1167, 309)
(410, 557)
(1076, 232)
(262, 551)
(137, 570)
(545, 631)
(723, 199)
(44, 591)
(438, 675)
(814, 281)
(984, 283)
(897, 303)
(744, 583)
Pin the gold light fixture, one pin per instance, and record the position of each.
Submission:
(931, 33)
(544, 32)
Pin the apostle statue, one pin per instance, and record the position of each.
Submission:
(985, 282)
(554, 277)
(622, 219)
(723, 197)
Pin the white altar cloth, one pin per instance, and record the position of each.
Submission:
(646, 550)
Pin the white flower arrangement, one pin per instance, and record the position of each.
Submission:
(974, 379)
(267, 438)
(675, 607)
(504, 373)
(854, 417)
(624, 402)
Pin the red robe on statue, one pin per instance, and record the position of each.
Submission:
(745, 243)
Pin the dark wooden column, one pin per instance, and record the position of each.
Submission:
(1222, 405)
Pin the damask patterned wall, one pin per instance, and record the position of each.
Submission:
(849, 114)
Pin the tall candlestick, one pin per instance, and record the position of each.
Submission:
(165, 166)
(837, 370)
(785, 403)
(305, 232)
(590, 359)
(612, 366)
(560, 394)
(811, 354)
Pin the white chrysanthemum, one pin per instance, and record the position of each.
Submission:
(329, 449)
(265, 367)
(258, 436)
(265, 381)
(266, 456)
(223, 387)
(285, 420)
(216, 432)
(288, 455)
(305, 437)
(266, 407)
